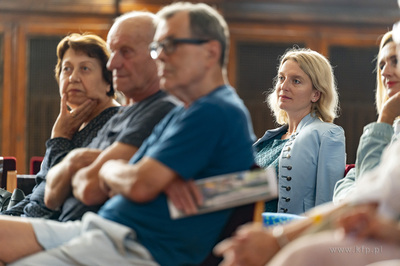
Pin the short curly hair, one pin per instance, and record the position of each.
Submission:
(90, 44)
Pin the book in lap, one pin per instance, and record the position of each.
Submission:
(232, 190)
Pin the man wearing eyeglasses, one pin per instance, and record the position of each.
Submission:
(210, 135)
(135, 75)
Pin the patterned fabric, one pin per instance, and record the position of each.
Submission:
(268, 156)
(56, 149)
(271, 218)
(269, 151)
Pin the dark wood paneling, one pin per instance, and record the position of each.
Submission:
(311, 12)
(18, 31)
(254, 55)
(297, 11)
(99, 7)
(318, 24)
(9, 77)
(1, 79)
(43, 97)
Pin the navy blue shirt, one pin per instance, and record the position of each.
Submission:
(213, 136)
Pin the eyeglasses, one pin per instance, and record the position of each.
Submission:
(169, 45)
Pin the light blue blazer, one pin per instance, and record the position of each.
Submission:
(311, 162)
(375, 138)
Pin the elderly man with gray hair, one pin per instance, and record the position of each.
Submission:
(210, 134)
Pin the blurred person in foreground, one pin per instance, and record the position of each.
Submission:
(363, 227)
(211, 134)
(377, 135)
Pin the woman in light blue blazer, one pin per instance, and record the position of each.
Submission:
(386, 130)
(308, 150)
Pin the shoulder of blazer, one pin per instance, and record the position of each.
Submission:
(322, 126)
(269, 134)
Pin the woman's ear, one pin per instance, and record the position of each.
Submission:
(316, 96)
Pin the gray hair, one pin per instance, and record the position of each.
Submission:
(205, 22)
(138, 14)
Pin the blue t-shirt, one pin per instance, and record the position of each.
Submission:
(212, 136)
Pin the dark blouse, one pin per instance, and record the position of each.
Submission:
(268, 156)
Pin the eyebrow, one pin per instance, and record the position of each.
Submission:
(82, 62)
(297, 77)
(381, 61)
(291, 76)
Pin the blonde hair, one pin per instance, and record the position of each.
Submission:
(381, 94)
(320, 71)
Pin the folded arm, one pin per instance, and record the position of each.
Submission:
(140, 182)
(85, 183)
(58, 180)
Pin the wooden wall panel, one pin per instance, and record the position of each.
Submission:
(15, 88)
(7, 93)
(356, 93)
(86, 7)
(34, 31)
(319, 24)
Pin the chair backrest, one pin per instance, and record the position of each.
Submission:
(240, 215)
(7, 163)
(348, 168)
(26, 183)
(35, 164)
